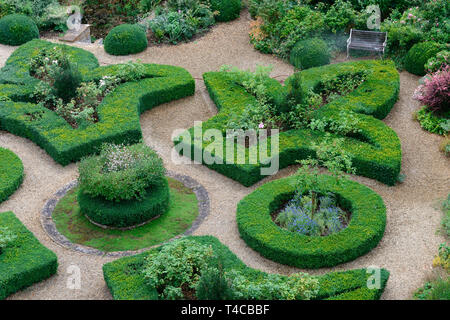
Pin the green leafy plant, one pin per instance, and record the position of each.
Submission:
(310, 53)
(213, 285)
(175, 270)
(227, 10)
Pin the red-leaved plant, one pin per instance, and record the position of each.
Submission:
(435, 92)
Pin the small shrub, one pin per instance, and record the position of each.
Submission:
(310, 53)
(17, 29)
(418, 55)
(436, 63)
(227, 9)
(121, 172)
(67, 81)
(213, 285)
(126, 39)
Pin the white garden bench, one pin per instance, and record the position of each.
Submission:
(366, 40)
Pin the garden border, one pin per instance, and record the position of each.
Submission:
(363, 233)
(50, 227)
(14, 173)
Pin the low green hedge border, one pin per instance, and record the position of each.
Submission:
(118, 113)
(126, 213)
(126, 282)
(378, 155)
(26, 261)
(11, 173)
(365, 230)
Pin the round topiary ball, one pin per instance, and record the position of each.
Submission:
(126, 39)
(17, 29)
(228, 9)
(419, 54)
(310, 53)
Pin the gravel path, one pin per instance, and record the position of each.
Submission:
(406, 250)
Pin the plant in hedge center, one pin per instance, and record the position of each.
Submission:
(213, 285)
(175, 270)
(123, 186)
(6, 238)
(313, 214)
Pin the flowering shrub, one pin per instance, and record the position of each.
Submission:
(121, 172)
(436, 63)
(435, 92)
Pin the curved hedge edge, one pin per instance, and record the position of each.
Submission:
(117, 124)
(379, 158)
(126, 213)
(125, 281)
(364, 232)
(26, 262)
(11, 173)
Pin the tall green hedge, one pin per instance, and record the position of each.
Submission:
(17, 29)
(11, 173)
(228, 9)
(126, 282)
(310, 53)
(129, 212)
(25, 261)
(365, 230)
(418, 56)
(377, 154)
(126, 39)
(118, 113)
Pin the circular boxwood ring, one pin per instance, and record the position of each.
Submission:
(126, 39)
(127, 213)
(11, 173)
(365, 230)
(17, 29)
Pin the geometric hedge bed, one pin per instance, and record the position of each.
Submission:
(11, 173)
(118, 113)
(125, 280)
(375, 154)
(25, 261)
(364, 231)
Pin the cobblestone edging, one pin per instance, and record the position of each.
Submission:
(50, 228)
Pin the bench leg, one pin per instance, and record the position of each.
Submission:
(348, 50)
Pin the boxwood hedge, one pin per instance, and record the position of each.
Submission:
(25, 261)
(364, 231)
(11, 173)
(128, 212)
(377, 154)
(118, 113)
(126, 282)
(126, 39)
(17, 29)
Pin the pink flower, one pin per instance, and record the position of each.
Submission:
(261, 125)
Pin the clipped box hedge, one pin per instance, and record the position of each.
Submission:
(118, 113)
(376, 155)
(126, 39)
(126, 282)
(25, 261)
(11, 173)
(364, 231)
(126, 213)
(17, 29)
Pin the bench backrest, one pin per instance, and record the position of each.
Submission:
(368, 36)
